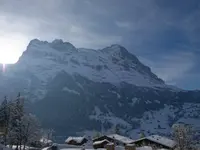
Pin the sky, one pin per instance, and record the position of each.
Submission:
(163, 34)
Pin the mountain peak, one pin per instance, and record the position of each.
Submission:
(37, 41)
(60, 45)
(57, 41)
(114, 47)
(117, 50)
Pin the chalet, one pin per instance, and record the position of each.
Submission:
(76, 141)
(115, 138)
(46, 142)
(100, 144)
(156, 141)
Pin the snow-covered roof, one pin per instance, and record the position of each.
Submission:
(100, 142)
(160, 140)
(121, 138)
(45, 141)
(77, 139)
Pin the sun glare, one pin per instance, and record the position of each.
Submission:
(11, 49)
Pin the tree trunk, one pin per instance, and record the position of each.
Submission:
(20, 146)
(24, 146)
(17, 146)
(5, 141)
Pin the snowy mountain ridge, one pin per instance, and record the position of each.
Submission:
(113, 64)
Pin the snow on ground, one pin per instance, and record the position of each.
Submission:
(154, 122)
(190, 112)
(114, 92)
(46, 148)
(157, 101)
(15, 146)
(144, 148)
(81, 149)
(116, 148)
(68, 147)
(77, 139)
(148, 102)
(191, 109)
(70, 91)
(120, 104)
(157, 121)
(134, 101)
(109, 117)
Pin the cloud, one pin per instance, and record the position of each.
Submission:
(173, 68)
(56, 19)
(126, 25)
(149, 29)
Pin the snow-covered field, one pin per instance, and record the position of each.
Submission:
(153, 122)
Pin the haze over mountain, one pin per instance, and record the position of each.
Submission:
(83, 91)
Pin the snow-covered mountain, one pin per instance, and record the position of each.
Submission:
(113, 64)
(83, 90)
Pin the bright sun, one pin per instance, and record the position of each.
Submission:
(11, 48)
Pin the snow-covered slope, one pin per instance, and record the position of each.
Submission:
(113, 64)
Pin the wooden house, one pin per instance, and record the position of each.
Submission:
(76, 141)
(115, 138)
(100, 144)
(156, 141)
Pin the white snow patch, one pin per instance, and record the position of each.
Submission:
(157, 101)
(144, 148)
(148, 102)
(154, 122)
(134, 101)
(114, 92)
(120, 104)
(46, 141)
(108, 117)
(70, 91)
(97, 111)
(77, 139)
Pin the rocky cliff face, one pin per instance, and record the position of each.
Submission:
(84, 91)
